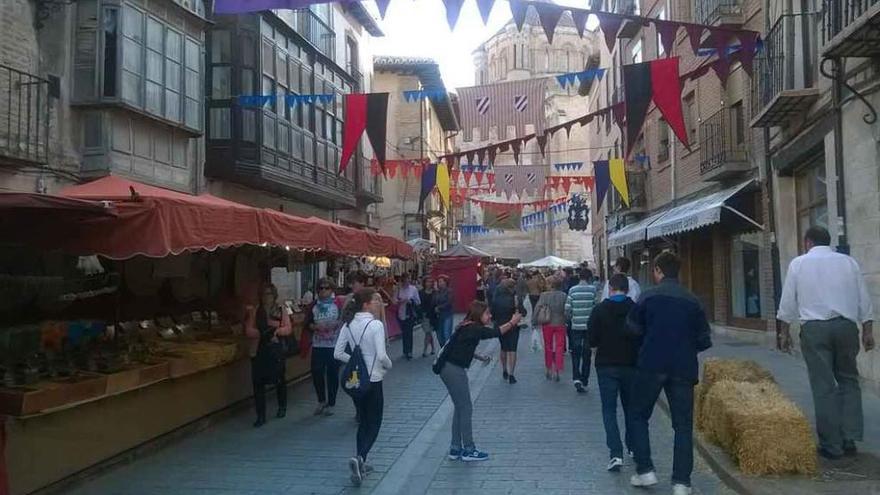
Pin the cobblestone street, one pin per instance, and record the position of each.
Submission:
(542, 436)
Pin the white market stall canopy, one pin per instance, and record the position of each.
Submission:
(548, 262)
(465, 250)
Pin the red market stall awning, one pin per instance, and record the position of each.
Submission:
(156, 222)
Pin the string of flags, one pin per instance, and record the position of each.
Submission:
(538, 204)
(475, 229)
(568, 166)
(405, 167)
(289, 100)
(544, 225)
(580, 77)
(425, 94)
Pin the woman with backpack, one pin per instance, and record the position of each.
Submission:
(452, 364)
(265, 327)
(364, 335)
(550, 314)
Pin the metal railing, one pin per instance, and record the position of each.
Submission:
(724, 138)
(838, 14)
(316, 31)
(789, 60)
(24, 116)
(709, 11)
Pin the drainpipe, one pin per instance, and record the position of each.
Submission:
(836, 97)
(672, 163)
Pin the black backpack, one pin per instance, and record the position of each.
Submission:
(355, 375)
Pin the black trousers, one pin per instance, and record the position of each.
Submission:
(581, 355)
(369, 408)
(406, 329)
(262, 374)
(325, 375)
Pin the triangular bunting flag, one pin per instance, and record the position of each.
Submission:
(383, 7)
(443, 184)
(695, 34)
(637, 85)
(417, 170)
(354, 126)
(453, 9)
(518, 9)
(377, 121)
(580, 20)
(549, 15)
(479, 176)
(467, 177)
(749, 42)
(667, 31)
(610, 25)
(516, 149)
(617, 173)
(485, 7)
(404, 170)
(722, 70)
(542, 143)
(566, 184)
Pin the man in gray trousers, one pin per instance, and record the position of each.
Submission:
(825, 291)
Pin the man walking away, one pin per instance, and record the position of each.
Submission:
(622, 265)
(826, 293)
(407, 299)
(579, 306)
(616, 352)
(673, 327)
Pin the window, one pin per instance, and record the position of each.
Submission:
(745, 271)
(150, 65)
(662, 140)
(737, 124)
(636, 52)
(660, 50)
(690, 119)
(811, 196)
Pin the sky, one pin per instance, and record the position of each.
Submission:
(418, 28)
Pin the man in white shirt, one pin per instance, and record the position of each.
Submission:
(825, 292)
(407, 299)
(622, 265)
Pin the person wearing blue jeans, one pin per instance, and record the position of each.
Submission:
(673, 327)
(616, 352)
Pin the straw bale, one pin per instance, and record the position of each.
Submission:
(717, 369)
(760, 428)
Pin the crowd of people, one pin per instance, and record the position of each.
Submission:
(645, 342)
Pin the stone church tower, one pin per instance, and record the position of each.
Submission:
(511, 55)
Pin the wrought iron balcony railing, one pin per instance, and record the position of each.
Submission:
(849, 28)
(24, 116)
(724, 142)
(785, 75)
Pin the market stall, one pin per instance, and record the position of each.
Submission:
(462, 272)
(549, 262)
(125, 309)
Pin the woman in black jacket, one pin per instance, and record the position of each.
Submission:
(455, 360)
(504, 305)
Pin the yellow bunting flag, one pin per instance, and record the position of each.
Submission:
(618, 178)
(443, 183)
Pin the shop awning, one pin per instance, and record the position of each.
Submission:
(634, 232)
(700, 213)
(685, 217)
(157, 222)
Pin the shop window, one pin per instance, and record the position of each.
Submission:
(812, 196)
(745, 276)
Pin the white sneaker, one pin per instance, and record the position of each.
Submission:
(647, 479)
(679, 489)
(615, 464)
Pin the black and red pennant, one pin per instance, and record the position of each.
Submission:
(656, 81)
(364, 111)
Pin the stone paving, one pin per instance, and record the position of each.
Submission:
(543, 438)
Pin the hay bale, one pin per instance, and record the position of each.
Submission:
(760, 428)
(717, 369)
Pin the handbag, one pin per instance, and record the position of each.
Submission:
(542, 315)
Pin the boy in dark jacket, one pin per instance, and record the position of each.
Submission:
(674, 329)
(616, 352)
